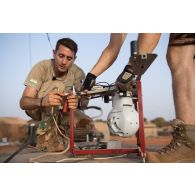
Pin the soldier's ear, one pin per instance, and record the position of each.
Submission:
(54, 53)
(75, 57)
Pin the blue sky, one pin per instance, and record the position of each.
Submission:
(15, 63)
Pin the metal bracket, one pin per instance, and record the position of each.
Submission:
(140, 63)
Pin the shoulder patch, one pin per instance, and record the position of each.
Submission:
(32, 81)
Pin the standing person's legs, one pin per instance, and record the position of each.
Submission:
(182, 146)
(147, 42)
(182, 66)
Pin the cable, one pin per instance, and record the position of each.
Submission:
(16, 152)
(30, 141)
(34, 159)
(72, 159)
(96, 108)
(111, 157)
(85, 158)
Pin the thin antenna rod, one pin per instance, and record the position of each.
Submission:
(30, 53)
(49, 41)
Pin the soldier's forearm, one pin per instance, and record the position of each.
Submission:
(34, 114)
(109, 54)
(29, 103)
(106, 60)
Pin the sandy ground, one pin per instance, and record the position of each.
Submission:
(152, 143)
(15, 129)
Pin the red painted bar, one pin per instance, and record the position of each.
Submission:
(141, 118)
(107, 151)
(71, 130)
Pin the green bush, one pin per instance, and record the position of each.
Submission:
(160, 122)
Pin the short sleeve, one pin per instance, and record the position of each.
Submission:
(79, 77)
(35, 76)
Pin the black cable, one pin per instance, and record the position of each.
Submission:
(93, 107)
(16, 152)
(31, 141)
(96, 108)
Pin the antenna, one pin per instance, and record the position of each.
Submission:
(30, 53)
(49, 41)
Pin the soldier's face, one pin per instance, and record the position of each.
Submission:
(64, 58)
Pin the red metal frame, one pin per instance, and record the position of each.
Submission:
(140, 134)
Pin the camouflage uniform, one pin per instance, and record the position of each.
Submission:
(180, 39)
(43, 79)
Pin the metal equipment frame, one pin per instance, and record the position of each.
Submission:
(139, 64)
(140, 150)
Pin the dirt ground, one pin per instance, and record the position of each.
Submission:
(15, 129)
(152, 143)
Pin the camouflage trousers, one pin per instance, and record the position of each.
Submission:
(54, 131)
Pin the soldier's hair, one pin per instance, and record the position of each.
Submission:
(69, 43)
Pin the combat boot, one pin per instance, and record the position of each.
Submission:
(181, 147)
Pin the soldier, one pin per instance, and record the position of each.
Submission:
(43, 95)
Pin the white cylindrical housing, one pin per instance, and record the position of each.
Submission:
(123, 119)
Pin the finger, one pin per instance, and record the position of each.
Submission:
(55, 95)
(54, 100)
(85, 91)
(72, 101)
(70, 92)
(72, 97)
(60, 94)
(72, 106)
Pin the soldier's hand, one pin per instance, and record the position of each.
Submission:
(83, 103)
(52, 99)
(72, 101)
(125, 78)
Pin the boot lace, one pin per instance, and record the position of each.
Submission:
(179, 138)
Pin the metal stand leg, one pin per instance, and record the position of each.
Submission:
(71, 131)
(141, 121)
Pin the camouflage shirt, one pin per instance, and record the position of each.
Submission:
(41, 78)
(42, 74)
(177, 39)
